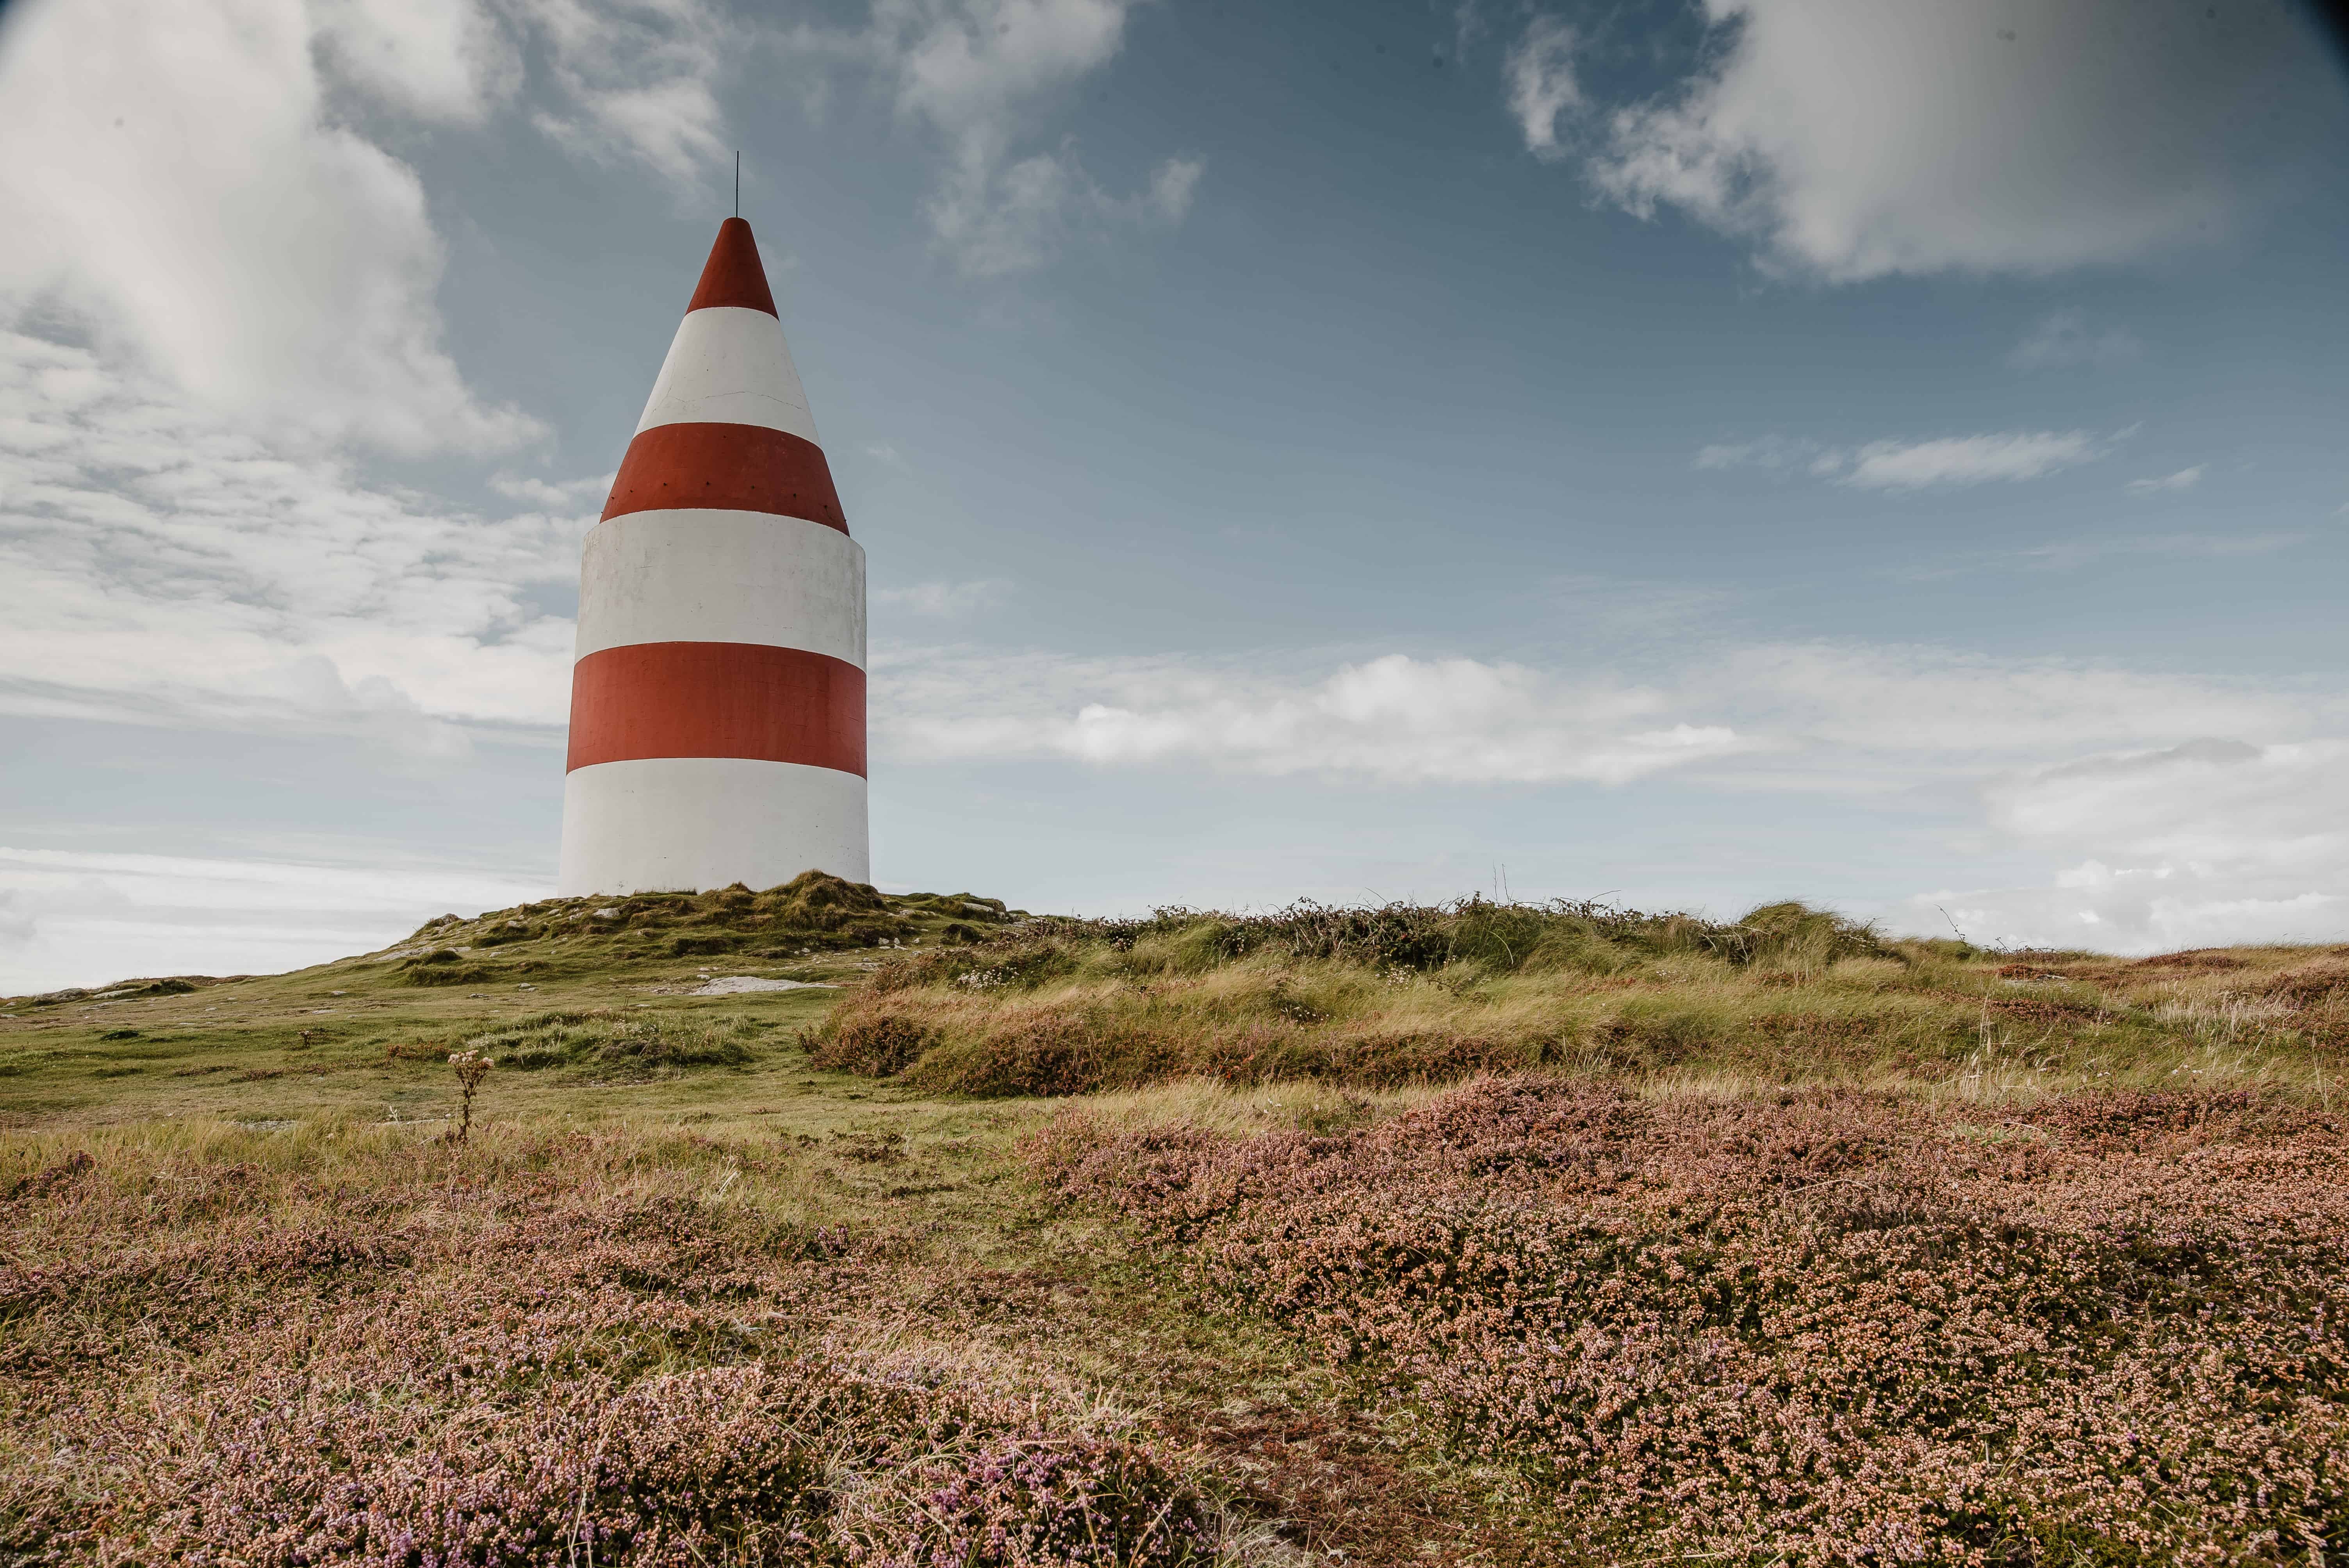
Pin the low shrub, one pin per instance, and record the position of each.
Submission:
(1498, 936)
(445, 966)
(1403, 994)
(456, 974)
(1045, 1052)
(2312, 986)
(543, 1352)
(1817, 1328)
(858, 1040)
(688, 946)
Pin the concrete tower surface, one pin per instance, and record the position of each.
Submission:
(717, 700)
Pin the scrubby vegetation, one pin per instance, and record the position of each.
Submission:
(1401, 995)
(350, 1348)
(1817, 1327)
(812, 913)
(1481, 1233)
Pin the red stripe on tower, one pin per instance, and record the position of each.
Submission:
(732, 467)
(717, 700)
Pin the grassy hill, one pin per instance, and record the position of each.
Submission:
(813, 1225)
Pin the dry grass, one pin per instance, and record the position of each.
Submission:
(1789, 996)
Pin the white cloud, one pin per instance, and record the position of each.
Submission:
(1966, 460)
(186, 185)
(977, 74)
(946, 600)
(555, 495)
(999, 220)
(1172, 186)
(2063, 340)
(437, 60)
(69, 917)
(2214, 839)
(1807, 715)
(1910, 465)
(1847, 715)
(2185, 809)
(2184, 478)
(175, 181)
(168, 567)
(1393, 718)
(17, 927)
(1860, 139)
(1538, 73)
(638, 79)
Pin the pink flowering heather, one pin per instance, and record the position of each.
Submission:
(1817, 1328)
(559, 1354)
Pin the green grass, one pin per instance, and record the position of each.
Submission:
(361, 1040)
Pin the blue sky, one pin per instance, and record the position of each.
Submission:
(1889, 454)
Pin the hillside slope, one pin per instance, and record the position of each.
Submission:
(1483, 1233)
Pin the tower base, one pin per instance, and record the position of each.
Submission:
(687, 824)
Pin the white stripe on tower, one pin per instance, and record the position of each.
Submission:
(750, 578)
(729, 366)
(717, 699)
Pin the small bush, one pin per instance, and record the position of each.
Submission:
(443, 966)
(1042, 1053)
(859, 1041)
(2312, 986)
(452, 975)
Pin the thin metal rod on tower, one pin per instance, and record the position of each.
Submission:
(737, 182)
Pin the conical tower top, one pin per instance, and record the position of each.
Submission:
(733, 274)
(726, 425)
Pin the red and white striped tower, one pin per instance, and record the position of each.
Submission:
(718, 703)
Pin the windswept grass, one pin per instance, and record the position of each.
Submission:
(1418, 995)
